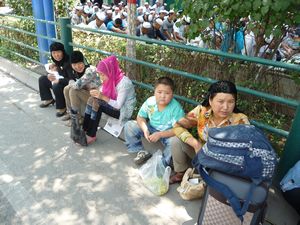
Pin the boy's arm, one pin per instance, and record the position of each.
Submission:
(161, 134)
(143, 125)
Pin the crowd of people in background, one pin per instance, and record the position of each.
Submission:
(154, 21)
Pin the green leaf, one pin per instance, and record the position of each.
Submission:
(256, 4)
(264, 9)
(297, 19)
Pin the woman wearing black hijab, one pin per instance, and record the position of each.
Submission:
(61, 60)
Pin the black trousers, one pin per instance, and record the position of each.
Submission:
(58, 89)
(91, 126)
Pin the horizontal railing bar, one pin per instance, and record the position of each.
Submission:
(196, 49)
(29, 33)
(267, 127)
(289, 102)
(23, 56)
(150, 87)
(24, 45)
(29, 18)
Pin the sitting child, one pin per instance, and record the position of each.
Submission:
(162, 111)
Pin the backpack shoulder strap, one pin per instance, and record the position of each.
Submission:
(238, 209)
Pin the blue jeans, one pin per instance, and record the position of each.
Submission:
(133, 135)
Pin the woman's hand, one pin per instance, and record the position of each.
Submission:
(51, 77)
(155, 137)
(193, 142)
(95, 93)
(55, 81)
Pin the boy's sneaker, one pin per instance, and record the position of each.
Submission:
(141, 157)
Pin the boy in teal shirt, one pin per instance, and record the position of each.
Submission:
(154, 121)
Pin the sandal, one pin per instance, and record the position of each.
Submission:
(141, 157)
(176, 178)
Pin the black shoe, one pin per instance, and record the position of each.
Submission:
(44, 105)
(60, 114)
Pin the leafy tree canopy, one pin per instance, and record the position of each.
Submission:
(270, 15)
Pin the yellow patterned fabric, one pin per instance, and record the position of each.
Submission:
(202, 117)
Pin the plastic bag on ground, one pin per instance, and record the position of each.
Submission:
(155, 175)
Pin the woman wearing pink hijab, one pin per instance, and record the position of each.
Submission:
(116, 97)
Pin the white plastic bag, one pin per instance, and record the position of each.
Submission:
(155, 175)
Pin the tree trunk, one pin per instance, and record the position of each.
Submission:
(130, 48)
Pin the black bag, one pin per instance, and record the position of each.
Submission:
(77, 133)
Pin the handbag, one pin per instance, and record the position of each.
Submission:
(77, 134)
(192, 185)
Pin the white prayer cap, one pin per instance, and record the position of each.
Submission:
(79, 7)
(125, 14)
(147, 25)
(187, 19)
(269, 39)
(100, 16)
(140, 19)
(150, 18)
(163, 11)
(159, 21)
(146, 3)
(109, 11)
(86, 10)
(171, 11)
(105, 7)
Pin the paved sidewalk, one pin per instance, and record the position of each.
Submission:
(46, 179)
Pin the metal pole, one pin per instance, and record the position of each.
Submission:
(291, 153)
(49, 16)
(66, 34)
(130, 48)
(38, 13)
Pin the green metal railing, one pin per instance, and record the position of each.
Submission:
(291, 152)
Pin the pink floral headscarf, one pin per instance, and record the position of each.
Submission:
(110, 67)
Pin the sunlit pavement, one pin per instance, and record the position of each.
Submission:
(46, 179)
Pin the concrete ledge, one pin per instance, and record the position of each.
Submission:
(25, 76)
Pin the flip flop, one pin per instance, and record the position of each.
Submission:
(141, 157)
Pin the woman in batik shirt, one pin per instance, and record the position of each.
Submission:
(218, 109)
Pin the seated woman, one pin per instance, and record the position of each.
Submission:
(218, 109)
(61, 59)
(115, 98)
(77, 92)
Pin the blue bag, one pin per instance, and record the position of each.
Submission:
(292, 179)
(242, 151)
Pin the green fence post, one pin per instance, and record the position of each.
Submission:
(291, 153)
(66, 34)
